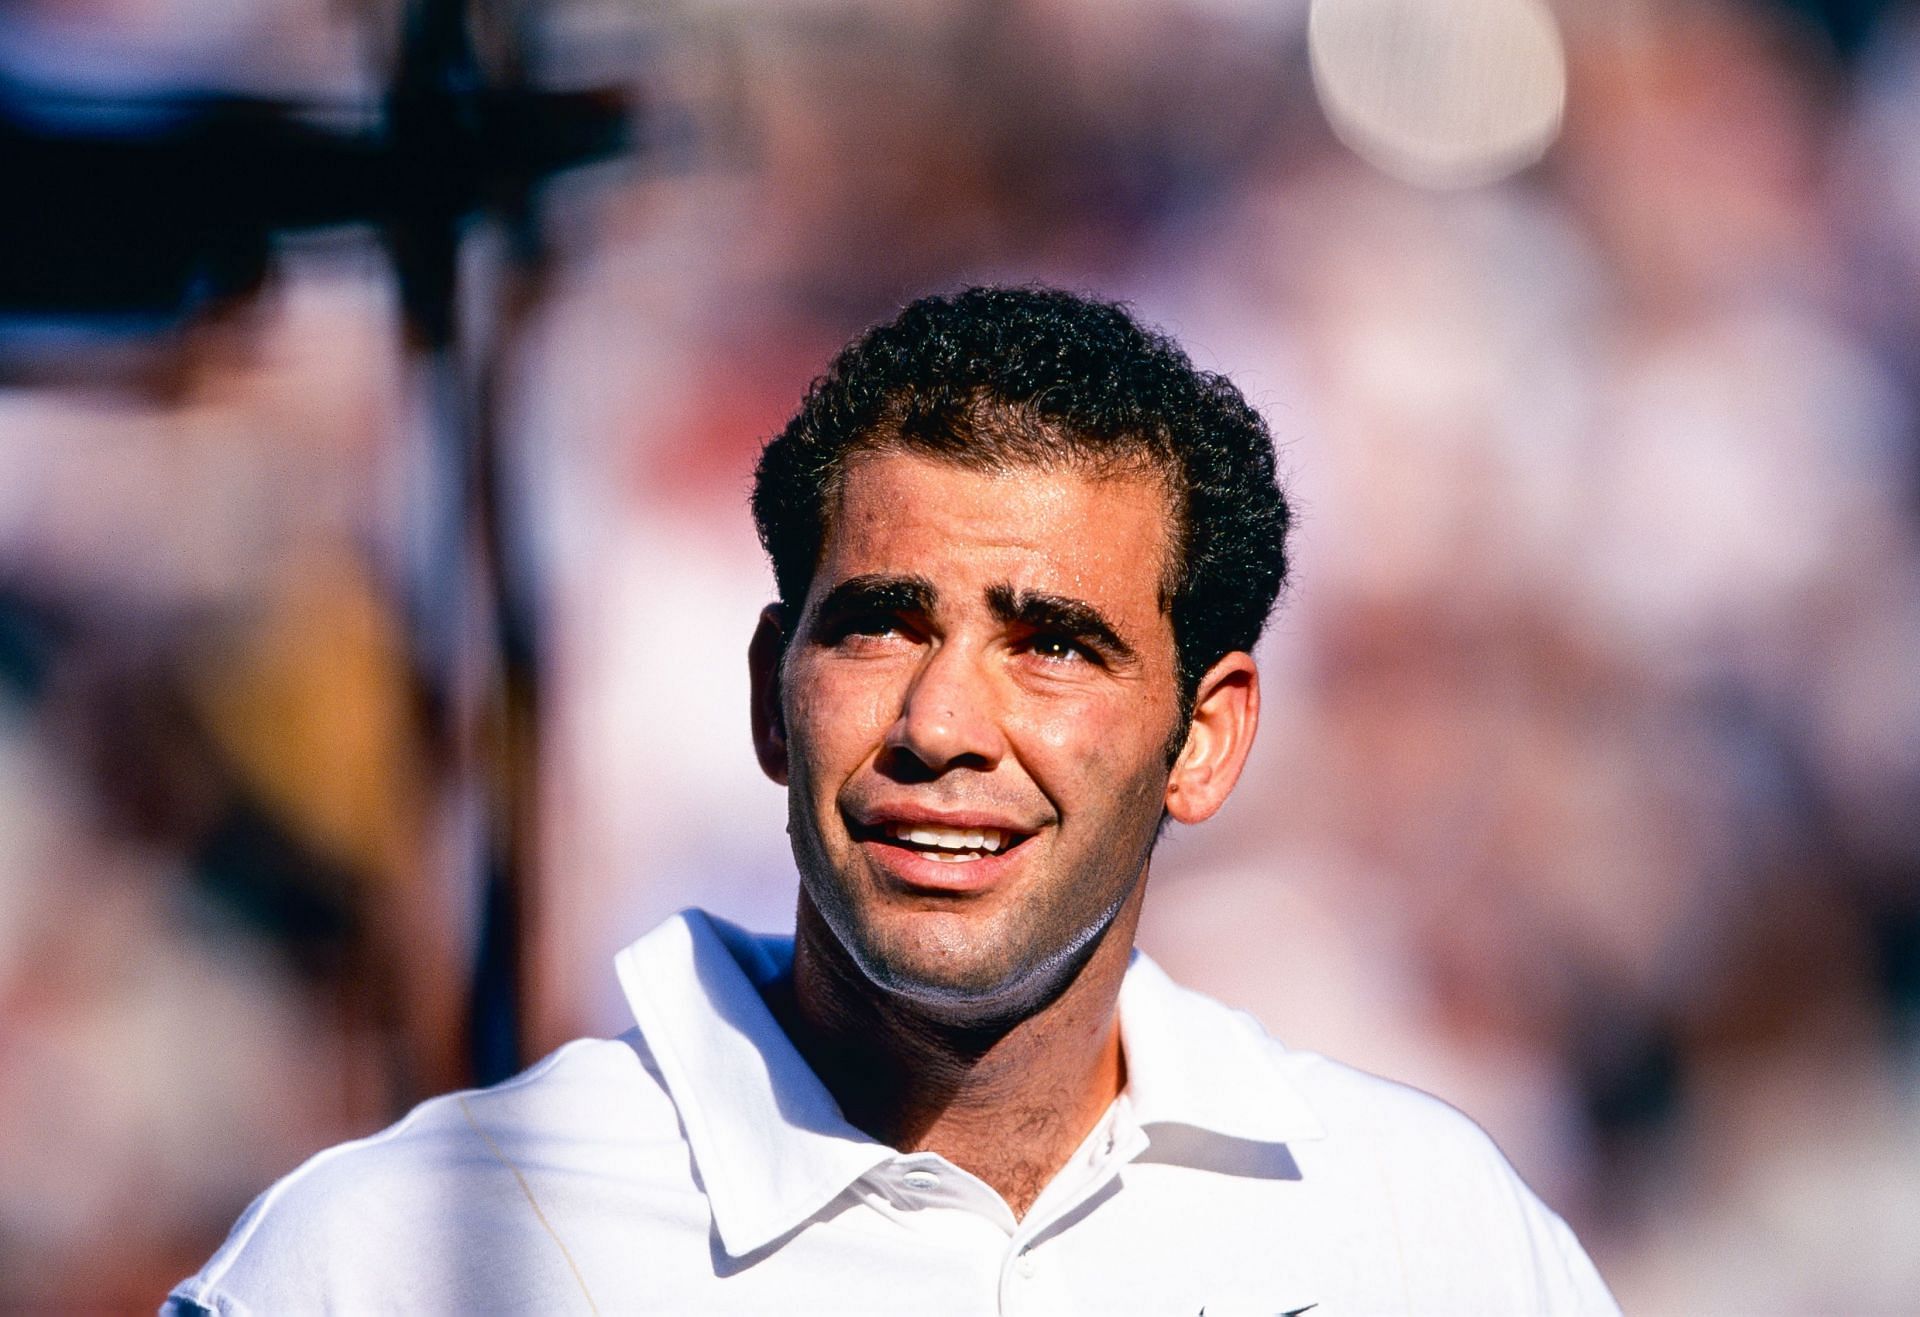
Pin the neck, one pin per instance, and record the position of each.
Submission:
(1008, 1102)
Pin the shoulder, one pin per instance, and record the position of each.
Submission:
(1353, 1103)
(1463, 1228)
(379, 1212)
(1323, 1100)
(1411, 1203)
(1407, 1139)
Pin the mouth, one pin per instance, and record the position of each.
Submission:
(952, 845)
(944, 843)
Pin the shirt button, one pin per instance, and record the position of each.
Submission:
(921, 1181)
(1025, 1265)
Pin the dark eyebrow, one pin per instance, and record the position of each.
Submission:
(1056, 613)
(878, 592)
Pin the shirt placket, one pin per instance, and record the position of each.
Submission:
(1033, 1282)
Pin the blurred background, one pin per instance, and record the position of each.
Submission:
(379, 386)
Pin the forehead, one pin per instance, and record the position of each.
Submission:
(1102, 537)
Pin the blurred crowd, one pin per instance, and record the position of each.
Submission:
(1586, 796)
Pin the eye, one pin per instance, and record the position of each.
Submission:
(863, 629)
(1058, 649)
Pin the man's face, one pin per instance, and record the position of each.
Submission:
(977, 699)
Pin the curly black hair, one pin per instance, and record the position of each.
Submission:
(997, 378)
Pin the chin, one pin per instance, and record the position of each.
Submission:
(975, 1005)
(957, 982)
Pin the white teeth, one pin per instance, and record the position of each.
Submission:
(949, 839)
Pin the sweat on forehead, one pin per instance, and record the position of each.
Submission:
(1118, 467)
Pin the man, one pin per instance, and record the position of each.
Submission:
(1023, 550)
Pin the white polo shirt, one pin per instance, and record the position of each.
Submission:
(696, 1165)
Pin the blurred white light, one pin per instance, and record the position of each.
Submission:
(1444, 93)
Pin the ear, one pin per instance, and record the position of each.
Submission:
(1226, 710)
(768, 647)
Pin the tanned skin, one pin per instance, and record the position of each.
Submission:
(1010, 1106)
(1005, 662)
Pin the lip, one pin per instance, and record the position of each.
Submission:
(915, 871)
(876, 818)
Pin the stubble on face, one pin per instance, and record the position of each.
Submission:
(984, 979)
(964, 705)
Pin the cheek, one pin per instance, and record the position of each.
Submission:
(1057, 742)
(1099, 745)
(836, 716)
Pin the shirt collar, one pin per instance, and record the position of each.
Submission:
(1193, 1062)
(770, 1144)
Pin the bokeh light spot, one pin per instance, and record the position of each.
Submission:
(1440, 94)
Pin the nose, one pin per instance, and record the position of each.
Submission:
(949, 718)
